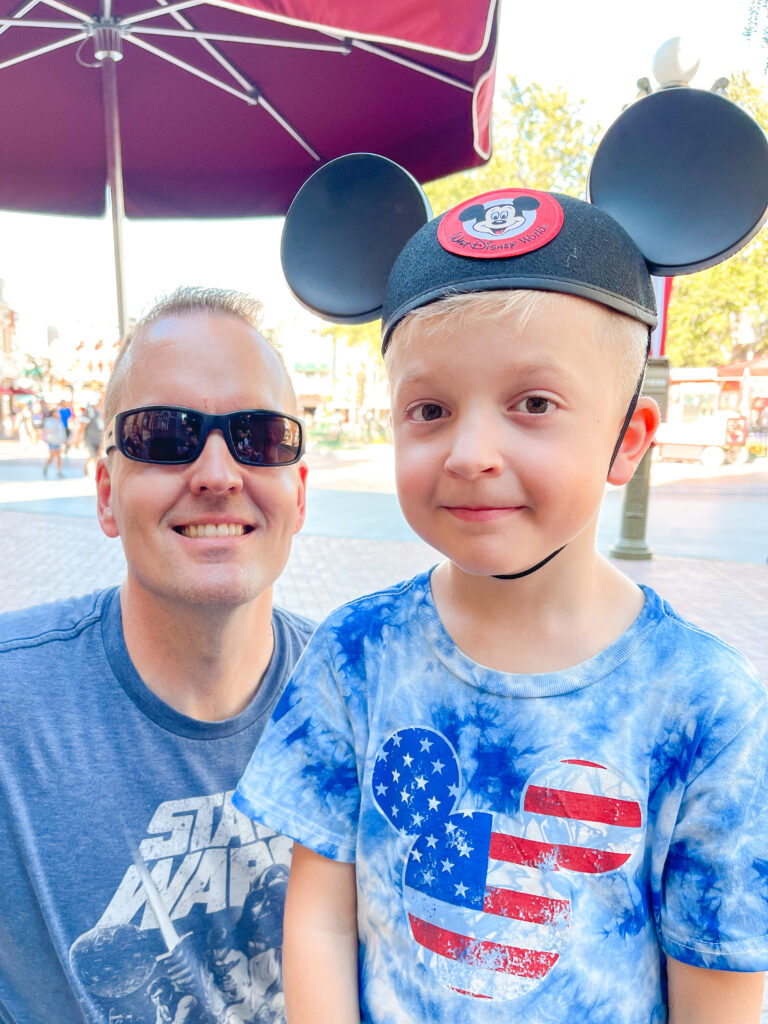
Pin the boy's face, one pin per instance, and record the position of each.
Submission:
(503, 435)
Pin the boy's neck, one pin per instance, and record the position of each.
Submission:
(567, 612)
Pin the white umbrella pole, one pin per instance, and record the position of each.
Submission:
(114, 177)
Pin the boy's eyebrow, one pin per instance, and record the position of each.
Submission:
(530, 368)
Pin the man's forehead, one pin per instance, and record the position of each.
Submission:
(203, 353)
(197, 324)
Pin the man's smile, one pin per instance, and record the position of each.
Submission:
(213, 530)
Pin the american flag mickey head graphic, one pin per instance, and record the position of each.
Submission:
(489, 897)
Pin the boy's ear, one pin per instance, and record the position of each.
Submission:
(637, 440)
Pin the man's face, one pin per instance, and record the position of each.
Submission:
(503, 435)
(216, 364)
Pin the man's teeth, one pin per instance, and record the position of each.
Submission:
(213, 530)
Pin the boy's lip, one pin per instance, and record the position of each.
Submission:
(481, 513)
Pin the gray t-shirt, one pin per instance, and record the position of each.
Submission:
(132, 890)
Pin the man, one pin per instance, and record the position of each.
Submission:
(127, 717)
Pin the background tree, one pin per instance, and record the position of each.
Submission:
(540, 141)
(757, 22)
(708, 310)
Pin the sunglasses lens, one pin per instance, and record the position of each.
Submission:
(265, 438)
(161, 435)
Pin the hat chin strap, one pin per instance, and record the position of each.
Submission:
(622, 432)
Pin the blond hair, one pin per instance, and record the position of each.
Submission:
(624, 338)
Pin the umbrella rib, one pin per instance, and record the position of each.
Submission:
(43, 49)
(253, 99)
(288, 127)
(413, 65)
(20, 12)
(155, 12)
(197, 72)
(223, 37)
(81, 16)
(35, 23)
(212, 50)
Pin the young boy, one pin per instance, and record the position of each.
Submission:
(524, 789)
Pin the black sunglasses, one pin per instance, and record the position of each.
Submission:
(173, 435)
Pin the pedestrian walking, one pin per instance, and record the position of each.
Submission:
(93, 436)
(55, 437)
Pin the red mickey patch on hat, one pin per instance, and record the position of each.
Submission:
(507, 222)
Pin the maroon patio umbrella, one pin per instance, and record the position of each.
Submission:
(216, 108)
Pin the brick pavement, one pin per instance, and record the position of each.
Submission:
(45, 557)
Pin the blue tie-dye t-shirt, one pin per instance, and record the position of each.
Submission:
(527, 847)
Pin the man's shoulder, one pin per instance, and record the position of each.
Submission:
(301, 625)
(46, 623)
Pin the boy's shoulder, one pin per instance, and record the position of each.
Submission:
(371, 612)
(702, 676)
(688, 640)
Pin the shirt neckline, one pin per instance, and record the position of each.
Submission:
(544, 684)
(163, 714)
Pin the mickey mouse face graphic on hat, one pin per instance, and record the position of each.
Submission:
(502, 218)
(488, 897)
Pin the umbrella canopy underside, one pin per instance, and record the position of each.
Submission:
(212, 125)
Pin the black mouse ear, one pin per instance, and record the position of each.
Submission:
(526, 203)
(685, 173)
(344, 231)
(472, 213)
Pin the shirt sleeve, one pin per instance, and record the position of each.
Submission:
(302, 779)
(715, 900)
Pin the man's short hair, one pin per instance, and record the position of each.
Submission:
(623, 338)
(187, 301)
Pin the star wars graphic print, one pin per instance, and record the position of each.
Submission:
(488, 897)
(194, 931)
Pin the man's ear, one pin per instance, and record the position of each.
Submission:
(637, 440)
(104, 497)
(301, 497)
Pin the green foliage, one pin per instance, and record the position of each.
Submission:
(704, 309)
(757, 23)
(364, 336)
(540, 141)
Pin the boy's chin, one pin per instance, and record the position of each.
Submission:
(485, 568)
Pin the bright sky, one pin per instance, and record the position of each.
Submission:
(59, 270)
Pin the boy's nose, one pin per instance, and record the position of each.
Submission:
(474, 448)
(215, 469)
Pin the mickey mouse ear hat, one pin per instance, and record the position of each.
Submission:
(679, 183)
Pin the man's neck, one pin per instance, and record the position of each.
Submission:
(205, 661)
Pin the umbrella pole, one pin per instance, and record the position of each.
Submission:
(114, 178)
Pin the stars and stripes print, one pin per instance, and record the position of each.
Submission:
(489, 897)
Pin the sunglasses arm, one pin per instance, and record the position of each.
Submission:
(109, 435)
